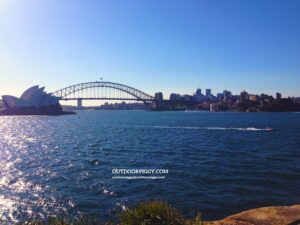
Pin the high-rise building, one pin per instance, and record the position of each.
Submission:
(220, 96)
(198, 92)
(175, 97)
(264, 97)
(198, 96)
(227, 95)
(253, 98)
(158, 96)
(278, 96)
(208, 93)
(244, 96)
(187, 97)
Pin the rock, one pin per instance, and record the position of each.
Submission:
(280, 215)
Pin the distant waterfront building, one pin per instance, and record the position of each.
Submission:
(227, 95)
(198, 96)
(265, 97)
(198, 92)
(244, 96)
(208, 93)
(32, 97)
(187, 98)
(220, 96)
(175, 97)
(158, 96)
(34, 101)
(278, 96)
(253, 98)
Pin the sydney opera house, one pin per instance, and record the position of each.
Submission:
(34, 101)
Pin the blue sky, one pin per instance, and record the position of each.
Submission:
(154, 45)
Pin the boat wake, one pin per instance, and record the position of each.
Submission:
(208, 128)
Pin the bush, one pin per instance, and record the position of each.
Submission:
(155, 213)
(195, 221)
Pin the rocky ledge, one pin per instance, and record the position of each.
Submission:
(280, 215)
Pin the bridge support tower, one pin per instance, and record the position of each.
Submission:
(79, 102)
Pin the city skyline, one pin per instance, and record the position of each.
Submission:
(36, 100)
(154, 46)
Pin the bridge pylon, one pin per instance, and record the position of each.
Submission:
(79, 102)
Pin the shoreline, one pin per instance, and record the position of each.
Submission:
(271, 215)
(50, 111)
(150, 211)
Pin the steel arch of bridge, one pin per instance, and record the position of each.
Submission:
(65, 93)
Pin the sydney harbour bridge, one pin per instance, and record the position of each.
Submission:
(102, 90)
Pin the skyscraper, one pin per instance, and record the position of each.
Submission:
(198, 91)
(227, 95)
(278, 96)
(158, 96)
(244, 96)
(208, 93)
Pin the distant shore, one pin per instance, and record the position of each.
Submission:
(282, 105)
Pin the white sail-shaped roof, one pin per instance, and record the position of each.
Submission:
(9, 101)
(36, 97)
(32, 97)
(46, 100)
(12, 101)
(29, 92)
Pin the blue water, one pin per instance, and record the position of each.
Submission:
(218, 163)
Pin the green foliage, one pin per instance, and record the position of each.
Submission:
(155, 213)
(151, 213)
(195, 221)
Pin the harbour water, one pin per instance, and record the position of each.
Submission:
(218, 163)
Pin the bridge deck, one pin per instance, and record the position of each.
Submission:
(123, 99)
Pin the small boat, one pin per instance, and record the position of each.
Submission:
(269, 129)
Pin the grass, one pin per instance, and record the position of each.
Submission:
(155, 213)
(151, 213)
